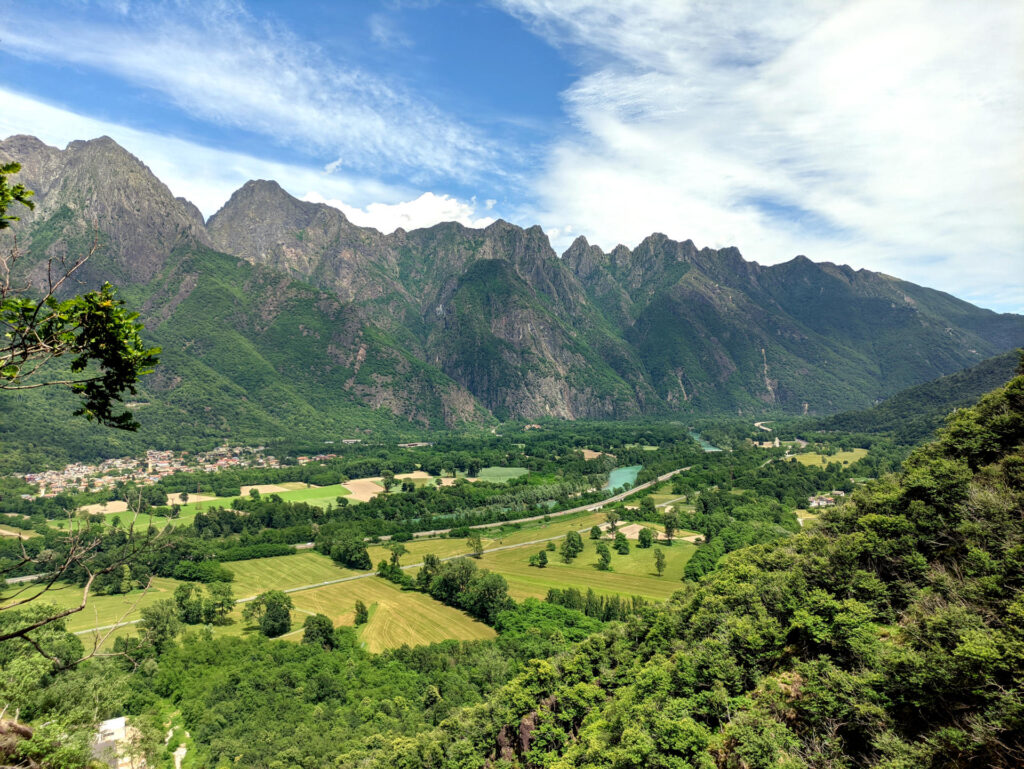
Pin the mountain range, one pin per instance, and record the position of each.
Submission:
(279, 316)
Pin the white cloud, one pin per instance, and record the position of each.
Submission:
(885, 135)
(426, 210)
(219, 64)
(208, 176)
(385, 32)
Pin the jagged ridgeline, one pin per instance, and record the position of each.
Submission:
(279, 316)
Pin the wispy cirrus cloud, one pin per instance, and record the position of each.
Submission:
(221, 64)
(207, 176)
(885, 135)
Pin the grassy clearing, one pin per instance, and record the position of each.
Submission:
(633, 574)
(283, 572)
(444, 548)
(321, 496)
(397, 616)
(10, 531)
(108, 609)
(501, 474)
(843, 457)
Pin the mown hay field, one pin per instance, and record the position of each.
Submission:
(397, 616)
(843, 457)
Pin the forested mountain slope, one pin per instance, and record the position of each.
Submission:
(288, 308)
(891, 635)
(914, 414)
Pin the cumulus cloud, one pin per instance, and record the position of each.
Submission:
(220, 64)
(426, 210)
(885, 135)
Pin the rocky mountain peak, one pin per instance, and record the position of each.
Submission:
(98, 186)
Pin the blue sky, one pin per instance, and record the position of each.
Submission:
(885, 136)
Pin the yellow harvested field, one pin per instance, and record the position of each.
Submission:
(632, 530)
(364, 489)
(589, 454)
(113, 506)
(416, 475)
(175, 499)
(397, 616)
(264, 488)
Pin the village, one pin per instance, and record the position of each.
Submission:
(149, 469)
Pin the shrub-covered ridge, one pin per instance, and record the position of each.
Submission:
(892, 635)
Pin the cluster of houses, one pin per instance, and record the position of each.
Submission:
(768, 444)
(145, 470)
(825, 500)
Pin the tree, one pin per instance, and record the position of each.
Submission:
(540, 559)
(572, 546)
(595, 532)
(621, 543)
(219, 602)
(645, 539)
(318, 629)
(107, 355)
(351, 552)
(362, 613)
(388, 479)
(671, 522)
(397, 551)
(647, 508)
(476, 545)
(100, 334)
(611, 515)
(188, 598)
(427, 572)
(159, 624)
(271, 611)
(604, 557)
(659, 561)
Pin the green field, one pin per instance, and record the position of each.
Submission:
(321, 496)
(633, 574)
(501, 474)
(108, 609)
(397, 616)
(843, 457)
(12, 532)
(444, 548)
(283, 572)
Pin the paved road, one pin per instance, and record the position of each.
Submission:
(761, 426)
(590, 507)
(364, 575)
(29, 578)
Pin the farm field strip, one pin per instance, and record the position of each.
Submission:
(523, 582)
(632, 574)
(843, 457)
(400, 616)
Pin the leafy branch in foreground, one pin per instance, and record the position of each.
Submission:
(95, 328)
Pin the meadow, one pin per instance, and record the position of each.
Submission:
(820, 460)
(632, 574)
(403, 617)
(397, 617)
